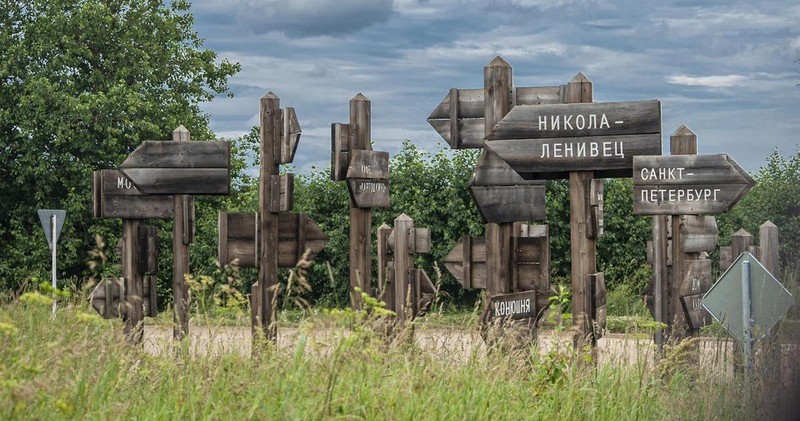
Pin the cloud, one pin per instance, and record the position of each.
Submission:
(721, 81)
(310, 18)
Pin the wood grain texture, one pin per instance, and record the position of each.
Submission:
(340, 155)
(491, 170)
(467, 262)
(271, 127)
(360, 215)
(205, 181)
(768, 247)
(180, 252)
(383, 261)
(506, 204)
(133, 315)
(696, 277)
(369, 193)
(115, 196)
(290, 136)
(170, 154)
(699, 234)
(622, 118)
(513, 306)
(403, 262)
(696, 314)
(369, 165)
(282, 193)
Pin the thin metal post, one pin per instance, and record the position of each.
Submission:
(748, 331)
(53, 250)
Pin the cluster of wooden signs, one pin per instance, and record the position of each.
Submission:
(366, 171)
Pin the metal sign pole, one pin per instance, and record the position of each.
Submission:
(53, 250)
(748, 333)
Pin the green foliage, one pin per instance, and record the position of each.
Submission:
(776, 198)
(84, 82)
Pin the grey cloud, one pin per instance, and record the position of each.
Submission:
(310, 18)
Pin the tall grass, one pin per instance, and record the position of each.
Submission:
(78, 365)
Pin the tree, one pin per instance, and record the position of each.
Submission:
(83, 83)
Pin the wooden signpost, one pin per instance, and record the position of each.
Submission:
(550, 141)
(406, 290)
(238, 238)
(367, 175)
(176, 168)
(115, 196)
(687, 184)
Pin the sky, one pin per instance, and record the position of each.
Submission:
(726, 69)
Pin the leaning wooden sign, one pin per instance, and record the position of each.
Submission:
(519, 305)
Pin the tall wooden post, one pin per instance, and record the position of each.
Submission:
(583, 248)
(403, 229)
(134, 284)
(360, 218)
(682, 142)
(180, 248)
(740, 242)
(270, 117)
(768, 246)
(660, 275)
(497, 83)
(385, 288)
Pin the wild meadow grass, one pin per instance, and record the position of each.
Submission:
(77, 365)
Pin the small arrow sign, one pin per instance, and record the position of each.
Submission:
(687, 184)
(115, 196)
(167, 167)
(46, 216)
(549, 141)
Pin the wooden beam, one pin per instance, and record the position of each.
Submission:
(360, 218)
(180, 262)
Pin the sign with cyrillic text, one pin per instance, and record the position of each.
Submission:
(115, 196)
(519, 305)
(687, 184)
(549, 141)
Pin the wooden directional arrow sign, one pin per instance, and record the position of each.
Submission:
(687, 184)
(167, 167)
(459, 117)
(238, 238)
(549, 141)
(115, 196)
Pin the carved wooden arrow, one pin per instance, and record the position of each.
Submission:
(166, 167)
(115, 196)
(687, 184)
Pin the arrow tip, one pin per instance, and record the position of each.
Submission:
(360, 97)
(269, 95)
(498, 62)
(579, 78)
(683, 131)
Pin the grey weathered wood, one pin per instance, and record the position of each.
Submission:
(660, 275)
(467, 262)
(151, 295)
(361, 217)
(403, 225)
(133, 316)
(514, 306)
(168, 154)
(282, 193)
(148, 249)
(768, 247)
(532, 263)
(697, 315)
(340, 150)
(114, 196)
(465, 116)
(699, 234)
(582, 248)
(505, 204)
(422, 241)
(491, 170)
(369, 165)
(719, 179)
(290, 136)
(594, 211)
(105, 298)
(188, 220)
(740, 242)
(206, 181)
(623, 118)
(530, 157)
(424, 291)
(725, 258)
(598, 304)
(696, 277)
(369, 193)
(383, 260)
(271, 127)
(180, 251)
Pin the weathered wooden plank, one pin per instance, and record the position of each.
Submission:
(698, 233)
(133, 315)
(687, 184)
(725, 258)
(740, 242)
(581, 120)
(151, 294)
(290, 136)
(514, 306)
(403, 262)
(210, 181)
(470, 105)
(540, 95)
(594, 210)
(369, 165)
(500, 204)
(422, 241)
(180, 247)
(697, 277)
(169, 154)
(340, 155)
(383, 259)
(697, 314)
(470, 132)
(598, 295)
(532, 256)
(282, 193)
(491, 170)
(768, 247)
(114, 196)
(468, 268)
(369, 193)
(554, 158)
(242, 226)
(148, 253)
